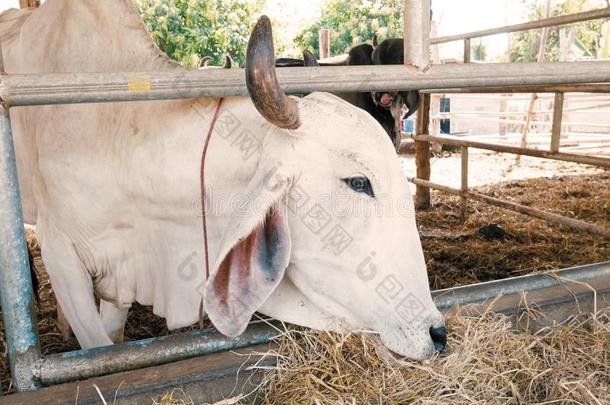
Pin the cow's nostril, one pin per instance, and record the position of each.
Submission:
(439, 337)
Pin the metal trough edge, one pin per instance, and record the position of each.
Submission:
(82, 364)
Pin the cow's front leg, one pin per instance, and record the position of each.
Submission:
(114, 319)
(73, 287)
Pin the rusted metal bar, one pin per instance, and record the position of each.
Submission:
(543, 23)
(557, 118)
(422, 153)
(522, 209)
(515, 150)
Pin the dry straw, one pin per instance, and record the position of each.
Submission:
(487, 361)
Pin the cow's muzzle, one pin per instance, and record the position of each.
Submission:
(384, 99)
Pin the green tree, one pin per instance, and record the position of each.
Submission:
(187, 30)
(353, 22)
(525, 44)
(479, 52)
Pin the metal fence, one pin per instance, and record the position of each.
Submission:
(29, 368)
(423, 139)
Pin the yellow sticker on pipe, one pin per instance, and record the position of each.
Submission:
(139, 85)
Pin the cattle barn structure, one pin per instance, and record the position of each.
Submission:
(141, 367)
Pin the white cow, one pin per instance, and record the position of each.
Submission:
(310, 217)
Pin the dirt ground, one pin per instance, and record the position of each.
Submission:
(489, 244)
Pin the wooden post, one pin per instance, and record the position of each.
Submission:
(324, 43)
(464, 205)
(422, 154)
(29, 3)
(503, 126)
(467, 51)
(557, 118)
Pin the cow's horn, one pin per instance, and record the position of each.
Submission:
(309, 59)
(261, 80)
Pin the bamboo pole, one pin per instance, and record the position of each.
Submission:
(522, 209)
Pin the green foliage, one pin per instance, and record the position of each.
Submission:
(187, 30)
(353, 22)
(525, 44)
(479, 52)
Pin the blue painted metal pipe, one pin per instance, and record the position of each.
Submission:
(16, 295)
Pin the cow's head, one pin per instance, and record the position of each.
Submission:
(330, 241)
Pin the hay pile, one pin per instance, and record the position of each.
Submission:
(487, 361)
(460, 252)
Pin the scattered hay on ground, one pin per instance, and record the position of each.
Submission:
(487, 361)
(462, 252)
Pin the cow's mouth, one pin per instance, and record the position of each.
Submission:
(384, 99)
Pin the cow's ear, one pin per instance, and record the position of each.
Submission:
(254, 254)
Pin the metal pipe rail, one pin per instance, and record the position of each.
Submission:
(82, 364)
(21, 90)
(564, 88)
(542, 23)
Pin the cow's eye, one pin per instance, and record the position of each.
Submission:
(360, 184)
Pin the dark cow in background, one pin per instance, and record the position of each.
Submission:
(387, 106)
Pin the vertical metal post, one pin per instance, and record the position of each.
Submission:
(557, 118)
(464, 176)
(467, 51)
(422, 154)
(16, 296)
(417, 33)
